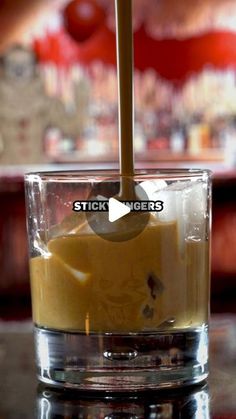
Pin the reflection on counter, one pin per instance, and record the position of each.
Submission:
(192, 403)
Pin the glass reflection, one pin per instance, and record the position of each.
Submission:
(186, 403)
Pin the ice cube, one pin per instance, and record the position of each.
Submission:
(40, 246)
(195, 202)
(69, 225)
(186, 203)
(195, 211)
(74, 223)
(79, 275)
(172, 204)
(148, 188)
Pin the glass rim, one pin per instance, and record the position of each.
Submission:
(67, 175)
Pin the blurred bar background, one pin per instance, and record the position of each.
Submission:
(58, 110)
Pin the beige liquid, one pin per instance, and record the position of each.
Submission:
(90, 284)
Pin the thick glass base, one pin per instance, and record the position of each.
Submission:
(187, 403)
(121, 363)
